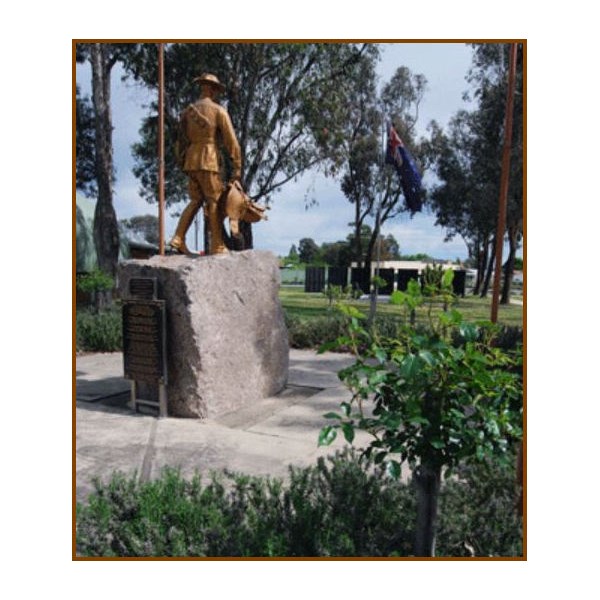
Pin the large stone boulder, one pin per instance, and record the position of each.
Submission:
(227, 343)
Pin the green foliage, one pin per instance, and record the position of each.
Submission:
(435, 280)
(378, 282)
(298, 303)
(339, 507)
(318, 331)
(99, 285)
(421, 256)
(287, 102)
(478, 512)
(99, 332)
(439, 397)
(336, 293)
(466, 158)
(146, 226)
(308, 250)
(436, 400)
(336, 254)
(371, 186)
(85, 168)
(96, 281)
(518, 264)
(313, 331)
(335, 508)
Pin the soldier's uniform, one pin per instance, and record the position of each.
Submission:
(202, 126)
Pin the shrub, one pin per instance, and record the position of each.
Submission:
(436, 405)
(313, 331)
(335, 508)
(478, 512)
(95, 281)
(99, 332)
(99, 285)
(338, 507)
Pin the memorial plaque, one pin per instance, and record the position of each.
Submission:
(144, 337)
(143, 288)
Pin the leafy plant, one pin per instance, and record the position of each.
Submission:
(436, 285)
(335, 293)
(95, 281)
(98, 284)
(311, 332)
(99, 332)
(338, 507)
(334, 508)
(411, 299)
(378, 282)
(436, 399)
(478, 515)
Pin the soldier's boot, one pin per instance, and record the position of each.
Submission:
(187, 216)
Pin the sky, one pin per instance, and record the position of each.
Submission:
(443, 64)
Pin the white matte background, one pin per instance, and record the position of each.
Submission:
(36, 314)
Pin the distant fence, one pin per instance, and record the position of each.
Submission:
(315, 279)
(337, 276)
(292, 276)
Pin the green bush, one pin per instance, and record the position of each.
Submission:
(314, 331)
(478, 513)
(339, 507)
(95, 281)
(99, 332)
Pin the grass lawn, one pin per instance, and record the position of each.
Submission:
(302, 304)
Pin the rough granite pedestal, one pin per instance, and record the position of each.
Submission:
(227, 343)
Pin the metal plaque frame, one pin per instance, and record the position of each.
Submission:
(144, 349)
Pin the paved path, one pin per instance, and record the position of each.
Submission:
(262, 439)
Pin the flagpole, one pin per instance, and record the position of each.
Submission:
(381, 191)
(503, 199)
(161, 150)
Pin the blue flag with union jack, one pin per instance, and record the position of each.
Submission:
(410, 179)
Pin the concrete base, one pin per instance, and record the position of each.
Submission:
(261, 439)
(227, 343)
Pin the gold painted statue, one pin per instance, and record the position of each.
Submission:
(202, 125)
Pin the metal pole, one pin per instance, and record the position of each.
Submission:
(378, 223)
(161, 150)
(503, 200)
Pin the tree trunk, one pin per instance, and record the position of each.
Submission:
(509, 267)
(490, 269)
(427, 480)
(482, 249)
(368, 262)
(106, 230)
(357, 237)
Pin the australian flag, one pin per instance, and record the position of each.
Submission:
(410, 179)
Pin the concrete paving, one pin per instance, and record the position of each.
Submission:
(262, 439)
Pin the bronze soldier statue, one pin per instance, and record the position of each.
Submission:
(202, 125)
